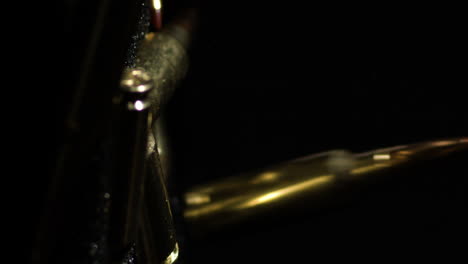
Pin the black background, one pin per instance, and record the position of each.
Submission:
(270, 82)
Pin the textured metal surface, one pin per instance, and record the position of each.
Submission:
(129, 166)
(130, 256)
(161, 62)
(307, 183)
(143, 27)
(165, 59)
(141, 215)
(157, 231)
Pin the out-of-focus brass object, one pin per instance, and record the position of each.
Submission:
(306, 183)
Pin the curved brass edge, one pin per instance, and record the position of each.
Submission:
(173, 256)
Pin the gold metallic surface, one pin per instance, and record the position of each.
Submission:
(161, 63)
(163, 57)
(173, 256)
(309, 182)
(159, 130)
(157, 230)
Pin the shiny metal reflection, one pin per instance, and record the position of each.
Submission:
(159, 131)
(382, 156)
(305, 183)
(157, 4)
(173, 256)
(163, 59)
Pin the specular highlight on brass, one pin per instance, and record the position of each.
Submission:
(306, 183)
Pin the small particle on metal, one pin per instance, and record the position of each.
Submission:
(107, 195)
(130, 257)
